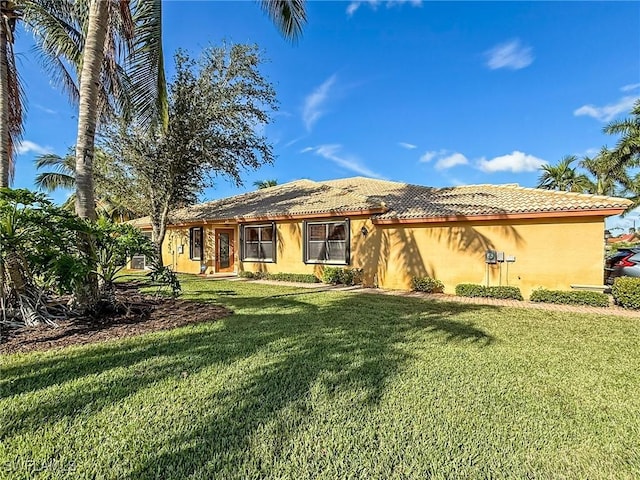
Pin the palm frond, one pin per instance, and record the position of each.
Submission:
(289, 16)
(51, 181)
(149, 97)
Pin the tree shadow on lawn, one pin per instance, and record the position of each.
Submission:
(350, 342)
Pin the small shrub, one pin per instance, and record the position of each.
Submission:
(426, 284)
(293, 277)
(511, 293)
(342, 276)
(470, 290)
(280, 277)
(501, 292)
(593, 299)
(164, 277)
(626, 292)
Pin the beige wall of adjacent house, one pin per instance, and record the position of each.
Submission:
(553, 253)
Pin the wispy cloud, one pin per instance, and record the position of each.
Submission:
(314, 104)
(333, 153)
(630, 87)
(374, 4)
(444, 159)
(608, 112)
(512, 55)
(45, 109)
(408, 146)
(27, 146)
(515, 162)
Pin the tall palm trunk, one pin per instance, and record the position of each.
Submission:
(5, 151)
(87, 294)
(88, 115)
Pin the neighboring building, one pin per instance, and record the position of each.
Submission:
(395, 231)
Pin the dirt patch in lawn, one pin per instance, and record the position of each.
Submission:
(136, 314)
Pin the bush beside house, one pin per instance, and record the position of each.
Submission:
(501, 292)
(626, 292)
(593, 299)
(426, 284)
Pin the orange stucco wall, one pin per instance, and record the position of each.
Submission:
(553, 253)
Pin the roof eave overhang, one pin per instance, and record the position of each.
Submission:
(600, 212)
(274, 218)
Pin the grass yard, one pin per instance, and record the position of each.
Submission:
(301, 384)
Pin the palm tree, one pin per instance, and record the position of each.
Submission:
(288, 16)
(561, 176)
(61, 175)
(11, 94)
(260, 184)
(607, 173)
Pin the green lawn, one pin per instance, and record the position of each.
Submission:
(301, 384)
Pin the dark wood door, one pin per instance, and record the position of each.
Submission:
(225, 250)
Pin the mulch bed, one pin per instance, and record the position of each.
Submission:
(138, 314)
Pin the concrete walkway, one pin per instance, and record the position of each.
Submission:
(440, 297)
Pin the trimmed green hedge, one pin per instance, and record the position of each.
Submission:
(502, 292)
(281, 277)
(426, 284)
(342, 276)
(626, 292)
(593, 299)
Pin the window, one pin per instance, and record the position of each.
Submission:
(258, 243)
(195, 243)
(327, 242)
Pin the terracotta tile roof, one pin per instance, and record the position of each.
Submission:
(388, 201)
(298, 199)
(406, 201)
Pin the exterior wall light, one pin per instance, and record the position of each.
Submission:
(364, 231)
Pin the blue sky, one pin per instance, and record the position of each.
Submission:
(432, 93)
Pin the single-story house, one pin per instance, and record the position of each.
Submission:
(485, 234)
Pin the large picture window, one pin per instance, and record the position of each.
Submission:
(195, 243)
(327, 242)
(258, 243)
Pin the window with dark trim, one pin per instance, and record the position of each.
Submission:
(326, 242)
(195, 243)
(259, 243)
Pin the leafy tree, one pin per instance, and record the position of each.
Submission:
(261, 184)
(215, 104)
(288, 16)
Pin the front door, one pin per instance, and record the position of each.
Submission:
(224, 250)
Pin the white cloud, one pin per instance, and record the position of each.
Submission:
(514, 162)
(628, 88)
(408, 146)
(354, 6)
(315, 102)
(607, 112)
(348, 162)
(428, 156)
(444, 159)
(451, 161)
(512, 55)
(27, 146)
